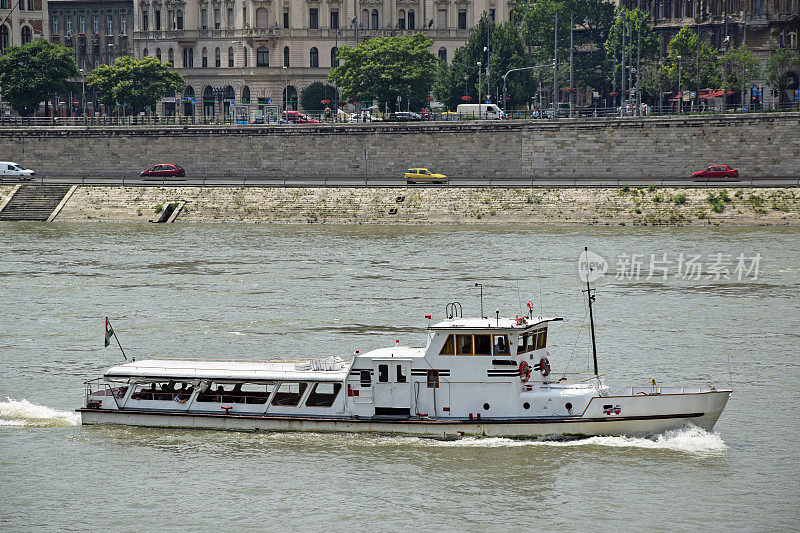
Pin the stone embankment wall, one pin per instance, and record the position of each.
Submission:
(430, 205)
(760, 145)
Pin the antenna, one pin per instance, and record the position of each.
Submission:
(591, 314)
(481, 286)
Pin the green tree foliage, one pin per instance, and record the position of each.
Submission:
(137, 83)
(779, 64)
(592, 20)
(31, 73)
(739, 67)
(655, 80)
(641, 42)
(312, 96)
(698, 65)
(505, 52)
(384, 68)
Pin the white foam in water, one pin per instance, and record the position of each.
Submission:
(691, 440)
(24, 413)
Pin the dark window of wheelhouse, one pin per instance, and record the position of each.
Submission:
(383, 373)
(541, 339)
(323, 394)
(289, 393)
(483, 345)
(449, 347)
(433, 379)
(501, 345)
(401, 374)
(463, 344)
(366, 378)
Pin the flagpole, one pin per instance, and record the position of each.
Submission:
(116, 338)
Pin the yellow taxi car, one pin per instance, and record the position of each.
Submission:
(423, 175)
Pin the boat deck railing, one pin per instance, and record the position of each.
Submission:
(633, 391)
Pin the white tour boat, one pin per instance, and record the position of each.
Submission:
(476, 376)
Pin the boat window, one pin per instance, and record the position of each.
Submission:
(289, 393)
(366, 378)
(483, 345)
(524, 344)
(449, 347)
(463, 344)
(433, 379)
(401, 374)
(166, 391)
(541, 339)
(383, 373)
(323, 394)
(501, 345)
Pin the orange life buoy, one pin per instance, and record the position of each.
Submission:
(544, 366)
(524, 371)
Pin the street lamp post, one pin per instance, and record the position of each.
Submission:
(466, 92)
(354, 24)
(286, 91)
(505, 76)
(555, 70)
(680, 91)
(480, 88)
(83, 93)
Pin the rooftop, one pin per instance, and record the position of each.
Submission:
(520, 323)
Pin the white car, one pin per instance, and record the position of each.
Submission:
(12, 170)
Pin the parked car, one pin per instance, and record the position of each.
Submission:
(423, 175)
(360, 117)
(296, 117)
(15, 172)
(164, 170)
(480, 111)
(403, 116)
(716, 171)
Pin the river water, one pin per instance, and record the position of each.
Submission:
(267, 291)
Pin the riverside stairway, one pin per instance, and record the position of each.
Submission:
(34, 202)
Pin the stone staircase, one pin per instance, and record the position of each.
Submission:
(33, 202)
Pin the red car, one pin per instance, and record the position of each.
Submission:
(716, 171)
(296, 117)
(164, 170)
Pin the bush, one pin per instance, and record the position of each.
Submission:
(625, 188)
(158, 208)
(680, 198)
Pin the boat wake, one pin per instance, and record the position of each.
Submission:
(24, 413)
(692, 440)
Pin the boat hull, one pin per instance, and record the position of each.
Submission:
(650, 424)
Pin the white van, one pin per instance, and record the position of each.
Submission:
(14, 171)
(480, 111)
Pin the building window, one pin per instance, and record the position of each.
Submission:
(286, 56)
(191, 57)
(262, 57)
(313, 18)
(216, 19)
(145, 53)
(433, 379)
(375, 19)
(245, 22)
(204, 19)
(443, 54)
(313, 58)
(204, 58)
(334, 20)
(491, 15)
(158, 20)
(230, 57)
(145, 25)
(185, 57)
(179, 23)
(286, 19)
(30, 5)
(244, 53)
(96, 24)
(246, 95)
(442, 19)
(171, 56)
(69, 26)
(230, 18)
(401, 19)
(82, 26)
(109, 25)
(262, 18)
(55, 25)
(411, 22)
(26, 35)
(170, 20)
(4, 38)
(217, 58)
(334, 58)
(123, 25)
(462, 19)
(364, 19)
(158, 54)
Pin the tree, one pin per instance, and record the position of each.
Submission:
(655, 80)
(137, 83)
(312, 96)
(698, 63)
(779, 65)
(641, 43)
(31, 73)
(739, 66)
(385, 68)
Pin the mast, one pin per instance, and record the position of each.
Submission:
(591, 314)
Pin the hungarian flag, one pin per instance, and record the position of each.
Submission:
(109, 332)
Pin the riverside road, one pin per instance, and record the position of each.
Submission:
(295, 181)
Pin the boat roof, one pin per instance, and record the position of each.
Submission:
(520, 323)
(176, 369)
(397, 352)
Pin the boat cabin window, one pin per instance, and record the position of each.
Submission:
(166, 390)
(449, 347)
(250, 393)
(433, 379)
(535, 340)
(323, 394)
(463, 344)
(289, 393)
(366, 378)
(383, 373)
(483, 345)
(401, 374)
(501, 345)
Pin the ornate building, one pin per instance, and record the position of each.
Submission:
(249, 56)
(21, 21)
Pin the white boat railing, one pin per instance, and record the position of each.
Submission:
(633, 391)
